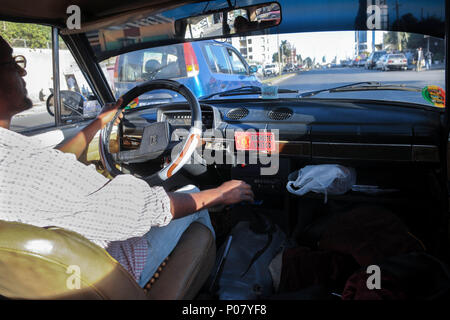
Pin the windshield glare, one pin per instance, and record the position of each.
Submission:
(298, 61)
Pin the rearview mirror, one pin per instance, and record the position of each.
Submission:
(230, 21)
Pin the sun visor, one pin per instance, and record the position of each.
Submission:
(122, 20)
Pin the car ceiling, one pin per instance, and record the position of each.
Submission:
(54, 11)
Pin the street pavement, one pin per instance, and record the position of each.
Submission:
(317, 79)
(304, 81)
(35, 117)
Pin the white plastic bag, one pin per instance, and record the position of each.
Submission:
(325, 178)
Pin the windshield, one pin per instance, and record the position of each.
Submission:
(302, 62)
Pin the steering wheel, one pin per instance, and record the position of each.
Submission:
(156, 136)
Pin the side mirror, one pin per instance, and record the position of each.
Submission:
(74, 106)
(253, 69)
(71, 104)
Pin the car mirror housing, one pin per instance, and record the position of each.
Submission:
(253, 69)
(230, 21)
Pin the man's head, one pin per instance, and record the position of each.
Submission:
(13, 92)
(240, 24)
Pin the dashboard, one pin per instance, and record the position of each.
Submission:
(312, 129)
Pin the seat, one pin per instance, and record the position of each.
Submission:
(54, 263)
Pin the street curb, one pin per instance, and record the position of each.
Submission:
(274, 81)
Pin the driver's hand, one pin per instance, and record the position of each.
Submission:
(235, 191)
(108, 112)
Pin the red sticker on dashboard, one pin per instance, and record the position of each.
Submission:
(254, 141)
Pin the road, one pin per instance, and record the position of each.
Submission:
(304, 81)
(35, 117)
(327, 78)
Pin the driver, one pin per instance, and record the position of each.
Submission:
(137, 224)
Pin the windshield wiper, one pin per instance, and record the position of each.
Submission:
(362, 86)
(243, 91)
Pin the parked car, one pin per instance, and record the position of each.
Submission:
(270, 70)
(203, 66)
(353, 63)
(396, 61)
(373, 58)
(380, 62)
(289, 68)
(361, 63)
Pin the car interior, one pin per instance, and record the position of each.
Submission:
(397, 149)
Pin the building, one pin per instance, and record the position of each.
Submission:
(367, 41)
(256, 49)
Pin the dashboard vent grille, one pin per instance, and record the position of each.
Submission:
(280, 114)
(237, 113)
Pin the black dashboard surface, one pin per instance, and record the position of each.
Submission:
(318, 128)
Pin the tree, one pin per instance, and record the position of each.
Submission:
(34, 35)
(275, 57)
(299, 59)
(285, 48)
(308, 62)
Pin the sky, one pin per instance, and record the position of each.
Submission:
(329, 44)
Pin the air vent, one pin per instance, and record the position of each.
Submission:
(237, 113)
(280, 114)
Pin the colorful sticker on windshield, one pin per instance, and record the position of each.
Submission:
(132, 104)
(434, 95)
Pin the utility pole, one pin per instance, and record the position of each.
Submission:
(399, 41)
(279, 53)
(373, 40)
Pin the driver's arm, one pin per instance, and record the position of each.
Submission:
(81, 140)
(230, 192)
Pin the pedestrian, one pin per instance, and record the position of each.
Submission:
(409, 57)
(419, 59)
(428, 60)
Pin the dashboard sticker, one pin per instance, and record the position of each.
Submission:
(269, 92)
(434, 95)
(255, 141)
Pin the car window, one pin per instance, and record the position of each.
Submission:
(217, 58)
(153, 63)
(237, 65)
(130, 67)
(34, 42)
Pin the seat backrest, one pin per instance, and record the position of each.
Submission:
(53, 263)
(152, 65)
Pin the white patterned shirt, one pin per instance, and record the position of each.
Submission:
(43, 186)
